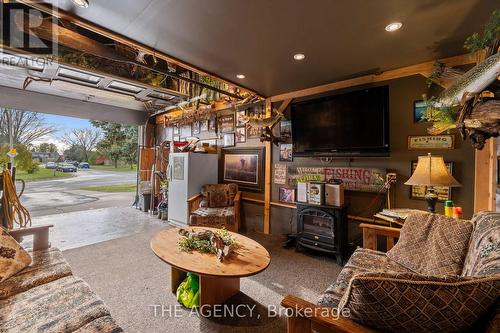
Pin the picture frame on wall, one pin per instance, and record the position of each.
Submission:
(204, 126)
(244, 166)
(241, 134)
(240, 118)
(226, 123)
(185, 131)
(286, 129)
(286, 152)
(417, 192)
(177, 130)
(253, 132)
(287, 195)
(212, 124)
(228, 140)
(419, 108)
(426, 142)
(195, 128)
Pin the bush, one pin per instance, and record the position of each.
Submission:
(30, 169)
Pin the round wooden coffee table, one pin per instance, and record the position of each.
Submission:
(218, 280)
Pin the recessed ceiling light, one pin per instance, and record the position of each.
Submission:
(240, 76)
(299, 56)
(393, 26)
(81, 3)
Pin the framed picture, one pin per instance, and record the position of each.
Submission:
(254, 132)
(418, 192)
(419, 108)
(245, 167)
(228, 140)
(177, 130)
(280, 173)
(169, 133)
(286, 195)
(226, 123)
(204, 126)
(240, 118)
(196, 128)
(210, 142)
(426, 142)
(185, 131)
(241, 134)
(286, 129)
(286, 154)
(212, 124)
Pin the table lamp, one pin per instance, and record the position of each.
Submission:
(431, 171)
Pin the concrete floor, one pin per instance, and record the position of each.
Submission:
(77, 229)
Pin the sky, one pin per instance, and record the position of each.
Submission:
(63, 125)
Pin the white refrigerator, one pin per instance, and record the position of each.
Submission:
(187, 173)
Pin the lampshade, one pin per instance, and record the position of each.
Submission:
(432, 171)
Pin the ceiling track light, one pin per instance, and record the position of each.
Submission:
(394, 26)
(81, 3)
(299, 56)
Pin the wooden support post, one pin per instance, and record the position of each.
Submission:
(267, 177)
(485, 177)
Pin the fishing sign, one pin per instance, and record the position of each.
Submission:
(357, 179)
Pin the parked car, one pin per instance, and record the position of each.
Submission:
(51, 165)
(66, 167)
(84, 165)
(74, 163)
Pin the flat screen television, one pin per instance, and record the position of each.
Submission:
(350, 124)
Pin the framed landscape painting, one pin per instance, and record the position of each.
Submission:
(245, 167)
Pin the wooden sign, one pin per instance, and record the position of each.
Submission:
(280, 174)
(425, 142)
(358, 179)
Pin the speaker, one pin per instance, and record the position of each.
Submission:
(334, 194)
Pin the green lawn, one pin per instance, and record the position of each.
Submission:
(112, 167)
(42, 174)
(111, 188)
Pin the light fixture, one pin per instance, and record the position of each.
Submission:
(299, 56)
(431, 171)
(240, 76)
(391, 27)
(81, 3)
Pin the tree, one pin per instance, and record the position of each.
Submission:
(119, 142)
(85, 138)
(74, 153)
(129, 145)
(22, 161)
(47, 148)
(26, 126)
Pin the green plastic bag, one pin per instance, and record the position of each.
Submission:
(188, 293)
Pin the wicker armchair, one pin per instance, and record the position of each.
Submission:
(217, 206)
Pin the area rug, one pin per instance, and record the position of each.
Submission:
(135, 285)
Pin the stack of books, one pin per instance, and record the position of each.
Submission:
(396, 215)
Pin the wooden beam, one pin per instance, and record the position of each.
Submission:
(267, 178)
(425, 69)
(485, 177)
(66, 16)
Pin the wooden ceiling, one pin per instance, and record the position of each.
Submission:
(341, 39)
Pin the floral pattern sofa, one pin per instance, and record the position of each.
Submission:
(46, 297)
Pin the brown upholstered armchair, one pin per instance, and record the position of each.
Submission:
(217, 206)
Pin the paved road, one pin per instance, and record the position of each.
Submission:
(64, 195)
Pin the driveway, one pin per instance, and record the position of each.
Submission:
(64, 195)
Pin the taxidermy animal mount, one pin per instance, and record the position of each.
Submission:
(267, 125)
(471, 102)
